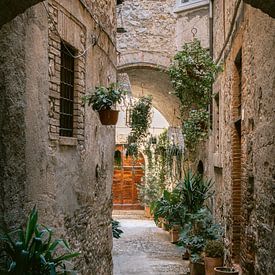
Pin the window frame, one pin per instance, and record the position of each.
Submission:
(67, 79)
(191, 4)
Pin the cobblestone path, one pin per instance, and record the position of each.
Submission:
(145, 249)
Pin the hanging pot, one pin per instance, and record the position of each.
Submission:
(108, 117)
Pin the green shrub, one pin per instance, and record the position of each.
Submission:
(214, 249)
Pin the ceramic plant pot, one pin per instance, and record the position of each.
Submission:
(197, 269)
(108, 117)
(174, 235)
(148, 212)
(211, 263)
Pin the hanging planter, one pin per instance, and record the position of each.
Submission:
(108, 117)
(103, 99)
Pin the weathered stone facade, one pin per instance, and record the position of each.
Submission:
(241, 146)
(68, 178)
(155, 30)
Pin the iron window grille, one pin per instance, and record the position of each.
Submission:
(66, 90)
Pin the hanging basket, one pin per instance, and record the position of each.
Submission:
(108, 117)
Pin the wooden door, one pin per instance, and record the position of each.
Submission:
(126, 177)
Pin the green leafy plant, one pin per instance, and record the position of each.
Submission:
(192, 73)
(195, 128)
(118, 158)
(141, 118)
(132, 150)
(151, 187)
(214, 249)
(32, 251)
(194, 191)
(103, 98)
(115, 229)
(197, 231)
(170, 208)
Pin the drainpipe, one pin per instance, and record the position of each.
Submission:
(211, 27)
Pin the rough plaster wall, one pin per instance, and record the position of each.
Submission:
(256, 37)
(12, 121)
(70, 184)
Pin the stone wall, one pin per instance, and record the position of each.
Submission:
(244, 169)
(155, 31)
(69, 179)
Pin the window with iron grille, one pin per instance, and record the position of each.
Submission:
(66, 91)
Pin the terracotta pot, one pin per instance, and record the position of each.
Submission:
(211, 263)
(225, 270)
(197, 269)
(186, 255)
(159, 223)
(147, 212)
(108, 117)
(174, 235)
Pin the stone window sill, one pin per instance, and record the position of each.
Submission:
(68, 141)
(189, 6)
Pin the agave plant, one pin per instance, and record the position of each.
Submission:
(31, 251)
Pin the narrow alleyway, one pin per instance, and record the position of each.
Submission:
(144, 248)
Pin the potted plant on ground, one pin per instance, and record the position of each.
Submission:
(214, 251)
(103, 99)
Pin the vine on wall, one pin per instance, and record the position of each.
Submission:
(192, 73)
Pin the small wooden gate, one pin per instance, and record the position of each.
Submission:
(126, 177)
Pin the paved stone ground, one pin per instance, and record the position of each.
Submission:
(145, 249)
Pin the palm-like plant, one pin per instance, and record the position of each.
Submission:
(194, 191)
(32, 251)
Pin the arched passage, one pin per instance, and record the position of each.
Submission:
(152, 79)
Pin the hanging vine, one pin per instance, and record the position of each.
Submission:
(192, 73)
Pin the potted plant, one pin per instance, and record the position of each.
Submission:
(214, 251)
(226, 271)
(103, 99)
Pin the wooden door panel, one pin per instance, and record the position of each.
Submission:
(125, 179)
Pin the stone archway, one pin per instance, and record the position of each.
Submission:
(148, 78)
